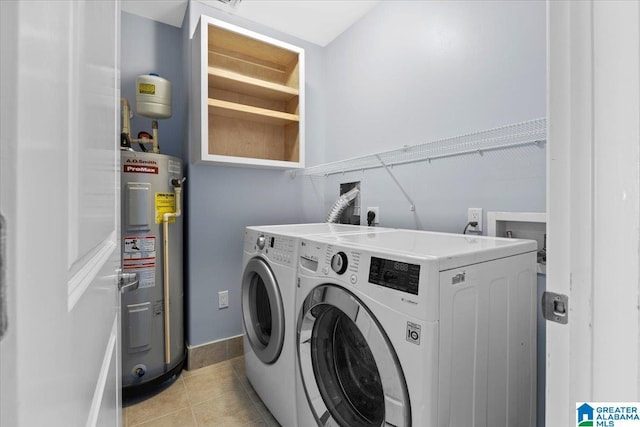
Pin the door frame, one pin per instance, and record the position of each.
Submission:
(593, 203)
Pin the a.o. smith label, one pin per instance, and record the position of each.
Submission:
(140, 166)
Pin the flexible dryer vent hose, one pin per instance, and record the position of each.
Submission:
(340, 204)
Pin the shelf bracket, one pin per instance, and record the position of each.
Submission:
(412, 206)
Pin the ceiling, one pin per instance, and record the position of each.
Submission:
(316, 21)
(167, 11)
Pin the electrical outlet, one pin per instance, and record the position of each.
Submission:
(376, 210)
(223, 299)
(475, 215)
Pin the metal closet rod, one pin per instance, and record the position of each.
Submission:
(531, 132)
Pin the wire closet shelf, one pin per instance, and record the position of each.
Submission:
(532, 132)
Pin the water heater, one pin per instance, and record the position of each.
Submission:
(153, 346)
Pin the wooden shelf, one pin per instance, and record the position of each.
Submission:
(242, 43)
(247, 112)
(235, 82)
(248, 103)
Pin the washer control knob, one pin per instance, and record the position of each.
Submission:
(261, 241)
(339, 262)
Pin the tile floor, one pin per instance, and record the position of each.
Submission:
(216, 395)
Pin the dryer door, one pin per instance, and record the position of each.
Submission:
(350, 370)
(262, 310)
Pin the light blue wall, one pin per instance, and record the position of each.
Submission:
(411, 72)
(222, 201)
(154, 47)
(508, 180)
(415, 71)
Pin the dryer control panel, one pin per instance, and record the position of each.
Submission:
(396, 281)
(280, 249)
(331, 261)
(392, 274)
(276, 248)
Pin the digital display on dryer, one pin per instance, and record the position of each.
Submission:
(395, 275)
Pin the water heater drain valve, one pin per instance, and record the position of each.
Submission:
(138, 371)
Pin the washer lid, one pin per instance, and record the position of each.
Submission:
(448, 250)
(310, 229)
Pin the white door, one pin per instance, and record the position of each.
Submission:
(59, 188)
(593, 203)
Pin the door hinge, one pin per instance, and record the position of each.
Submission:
(555, 307)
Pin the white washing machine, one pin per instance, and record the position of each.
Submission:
(268, 298)
(411, 328)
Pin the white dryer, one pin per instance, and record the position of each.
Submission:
(268, 298)
(410, 328)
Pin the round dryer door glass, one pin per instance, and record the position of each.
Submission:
(262, 311)
(350, 372)
(347, 371)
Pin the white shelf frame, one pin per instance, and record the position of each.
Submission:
(532, 132)
(201, 105)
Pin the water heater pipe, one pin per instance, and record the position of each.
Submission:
(177, 189)
(154, 131)
(126, 127)
(126, 113)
